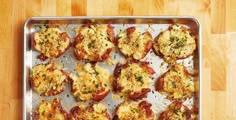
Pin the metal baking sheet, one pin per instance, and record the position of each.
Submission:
(153, 24)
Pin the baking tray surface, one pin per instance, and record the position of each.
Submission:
(152, 24)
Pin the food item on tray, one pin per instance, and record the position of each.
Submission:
(134, 111)
(132, 80)
(89, 112)
(134, 44)
(51, 42)
(50, 111)
(94, 43)
(92, 82)
(176, 82)
(175, 43)
(48, 79)
(176, 111)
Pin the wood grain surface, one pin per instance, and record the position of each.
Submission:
(217, 17)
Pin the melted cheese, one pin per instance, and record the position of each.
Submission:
(49, 42)
(45, 80)
(136, 47)
(134, 78)
(48, 111)
(90, 80)
(99, 112)
(95, 42)
(178, 83)
(130, 111)
(175, 43)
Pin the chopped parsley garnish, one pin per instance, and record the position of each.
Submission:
(44, 75)
(175, 111)
(172, 39)
(50, 115)
(41, 43)
(96, 72)
(136, 110)
(139, 78)
(43, 112)
(96, 85)
(90, 45)
(87, 92)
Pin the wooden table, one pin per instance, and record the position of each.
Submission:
(217, 17)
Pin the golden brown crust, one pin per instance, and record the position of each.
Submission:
(176, 82)
(53, 45)
(175, 43)
(89, 112)
(176, 111)
(92, 83)
(48, 79)
(91, 46)
(50, 111)
(132, 44)
(134, 110)
(136, 84)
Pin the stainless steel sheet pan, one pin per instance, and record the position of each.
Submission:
(153, 24)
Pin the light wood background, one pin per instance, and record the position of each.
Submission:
(217, 17)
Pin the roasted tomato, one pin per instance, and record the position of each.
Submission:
(94, 43)
(174, 43)
(176, 111)
(93, 112)
(48, 79)
(51, 42)
(133, 44)
(92, 82)
(134, 111)
(176, 82)
(50, 111)
(132, 79)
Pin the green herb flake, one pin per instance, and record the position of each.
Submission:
(175, 111)
(41, 43)
(43, 112)
(89, 45)
(139, 78)
(172, 39)
(44, 75)
(136, 110)
(96, 72)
